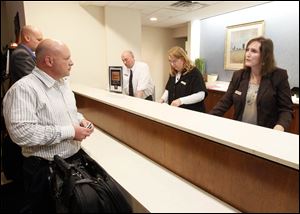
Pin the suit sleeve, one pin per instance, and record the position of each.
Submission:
(22, 65)
(284, 101)
(226, 101)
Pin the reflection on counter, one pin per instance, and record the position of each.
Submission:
(217, 85)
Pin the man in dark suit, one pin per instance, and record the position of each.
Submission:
(23, 58)
(22, 62)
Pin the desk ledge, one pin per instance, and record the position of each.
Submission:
(153, 186)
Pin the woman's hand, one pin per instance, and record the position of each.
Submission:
(176, 103)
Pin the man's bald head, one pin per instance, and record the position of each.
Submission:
(48, 47)
(128, 58)
(31, 36)
(54, 58)
(127, 52)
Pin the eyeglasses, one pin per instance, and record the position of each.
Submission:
(173, 61)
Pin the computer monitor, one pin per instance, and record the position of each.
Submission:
(115, 79)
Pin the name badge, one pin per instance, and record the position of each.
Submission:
(126, 75)
(183, 83)
(238, 92)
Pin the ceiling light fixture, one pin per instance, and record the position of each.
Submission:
(153, 19)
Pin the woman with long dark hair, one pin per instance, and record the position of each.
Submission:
(260, 92)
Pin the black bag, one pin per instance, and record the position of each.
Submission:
(85, 187)
(12, 160)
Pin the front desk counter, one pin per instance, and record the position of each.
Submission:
(149, 187)
(251, 168)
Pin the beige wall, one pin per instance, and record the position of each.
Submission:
(123, 32)
(181, 32)
(97, 35)
(155, 44)
(81, 28)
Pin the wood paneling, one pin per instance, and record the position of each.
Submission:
(247, 182)
(213, 98)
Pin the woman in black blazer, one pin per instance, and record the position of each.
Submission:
(185, 87)
(260, 92)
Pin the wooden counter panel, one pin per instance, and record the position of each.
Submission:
(245, 181)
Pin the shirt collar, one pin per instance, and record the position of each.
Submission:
(132, 68)
(46, 79)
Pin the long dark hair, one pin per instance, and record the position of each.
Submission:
(266, 53)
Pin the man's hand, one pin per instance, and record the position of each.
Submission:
(85, 129)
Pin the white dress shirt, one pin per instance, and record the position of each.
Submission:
(141, 80)
(39, 114)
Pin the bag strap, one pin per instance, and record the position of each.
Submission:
(64, 166)
(69, 169)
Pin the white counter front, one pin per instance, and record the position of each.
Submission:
(154, 187)
(280, 147)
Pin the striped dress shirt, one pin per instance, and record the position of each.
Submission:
(39, 114)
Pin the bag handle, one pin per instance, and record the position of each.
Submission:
(64, 166)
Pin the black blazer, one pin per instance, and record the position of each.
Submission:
(22, 62)
(274, 103)
(189, 83)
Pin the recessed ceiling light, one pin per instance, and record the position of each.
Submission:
(153, 19)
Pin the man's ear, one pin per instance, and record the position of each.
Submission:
(27, 38)
(49, 61)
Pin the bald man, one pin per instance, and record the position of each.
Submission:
(23, 58)
(41, 116)
(22, 62)
(139, 74)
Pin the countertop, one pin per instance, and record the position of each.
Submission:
(280, 147)
(153, 186)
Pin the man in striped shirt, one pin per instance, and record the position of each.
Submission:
(41, 116)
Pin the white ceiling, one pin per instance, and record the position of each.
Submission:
(171, 16)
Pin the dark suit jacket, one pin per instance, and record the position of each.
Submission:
(21, 63)
(189, 83)
(274, 103)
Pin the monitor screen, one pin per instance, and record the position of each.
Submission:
(115, 78)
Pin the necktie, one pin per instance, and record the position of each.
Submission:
(130, 84)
